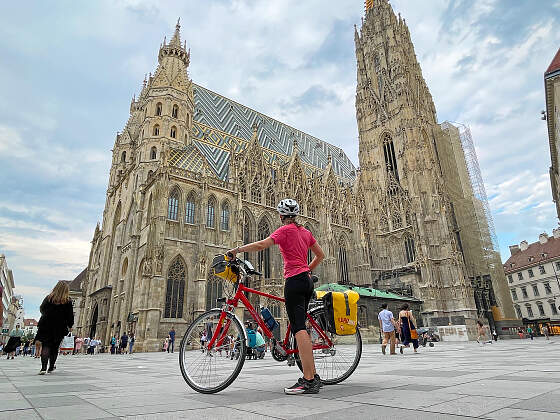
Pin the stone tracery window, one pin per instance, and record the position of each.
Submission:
(409, 250)
(153, 153)
(175, 111)
(159, 108)
(256, 191)
(156, 130)
(342, 264)
(214, 290)
(270, 195)
(174, 296)
(123, 157)
(190, 209)
(242, 187)
(173, 205)
(224, 223)
(173, 132)
(211, 213)
(264, 255)
(390, 156)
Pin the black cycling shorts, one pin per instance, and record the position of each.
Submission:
(297, 292)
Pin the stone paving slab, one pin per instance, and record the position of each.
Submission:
(510, 379)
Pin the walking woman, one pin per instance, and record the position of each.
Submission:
(57, 318)
(294, 241)
(14, 342)
(407, 323)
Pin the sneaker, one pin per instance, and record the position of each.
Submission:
(303, 386)
(401, 349)
(318, 379)
(42, 372)
(383, 349)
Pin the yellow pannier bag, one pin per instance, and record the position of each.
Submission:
(342, 311)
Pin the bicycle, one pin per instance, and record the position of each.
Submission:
(208, 366)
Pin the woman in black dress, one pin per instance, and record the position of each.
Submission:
(408, 325)
(57, 317)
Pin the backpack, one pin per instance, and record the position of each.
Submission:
(342, 311)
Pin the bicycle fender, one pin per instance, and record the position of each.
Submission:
(240, 322)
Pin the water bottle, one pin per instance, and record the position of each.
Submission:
(269, 320)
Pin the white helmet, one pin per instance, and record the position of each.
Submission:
(288, 207)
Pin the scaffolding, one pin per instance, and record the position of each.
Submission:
(479, 191)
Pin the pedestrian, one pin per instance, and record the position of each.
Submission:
(544, 330)
(171, 340)
(520, 333)
(57, 318)
(530, 332)
(124, 342)
(113, 344)
(130, 342)
(25, 347)
(407, 324)
(482, 333)
(165, 344)
(495, 335)
(14, 342)
(387, 326)
(79, 343)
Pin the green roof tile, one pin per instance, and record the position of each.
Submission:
(363, 291)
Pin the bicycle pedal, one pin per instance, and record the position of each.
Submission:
(291, 361)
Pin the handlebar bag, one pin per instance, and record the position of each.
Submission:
(342, 311)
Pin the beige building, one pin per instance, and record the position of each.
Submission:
(533, 272)
(76, 294)
(6, 294)
(552, 116)
(195, 173)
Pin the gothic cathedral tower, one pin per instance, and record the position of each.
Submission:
(413, 241)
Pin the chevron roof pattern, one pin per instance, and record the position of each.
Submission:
(221, 124)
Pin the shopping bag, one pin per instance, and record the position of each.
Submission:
(67, 343)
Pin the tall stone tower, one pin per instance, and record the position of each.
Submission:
(415, 243)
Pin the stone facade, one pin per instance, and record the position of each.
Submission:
(194, 174)
(552, 117)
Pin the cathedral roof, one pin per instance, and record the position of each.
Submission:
(554, 65)
(221, 125)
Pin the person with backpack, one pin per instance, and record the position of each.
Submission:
(294, 241)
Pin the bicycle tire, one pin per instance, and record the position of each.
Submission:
(191, 336)
(325, 378)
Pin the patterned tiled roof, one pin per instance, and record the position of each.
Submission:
(221, 124)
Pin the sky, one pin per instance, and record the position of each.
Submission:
(69, 70)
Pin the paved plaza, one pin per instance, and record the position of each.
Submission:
(517, 379)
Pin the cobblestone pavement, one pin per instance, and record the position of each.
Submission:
(509, 379)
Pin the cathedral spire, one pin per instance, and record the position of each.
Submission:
(174, 47)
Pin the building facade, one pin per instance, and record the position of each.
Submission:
(30, 326)
(6, 293)
(552, 117)
(195, 173)
(533, 272)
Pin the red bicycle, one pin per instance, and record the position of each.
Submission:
(214, 347)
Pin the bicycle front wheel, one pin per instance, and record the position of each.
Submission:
(337, 362)
(210, 370)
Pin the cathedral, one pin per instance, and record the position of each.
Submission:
(195, 173)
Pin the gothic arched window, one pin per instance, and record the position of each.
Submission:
(159, 108)
(409, 250)
(390, 156)
(123, 157)
(174, 295)
(190, 209)
(175, 111)
(173, 132)
(214, 290)
(211, 213)
(342, 264)
(224, 222)
(173, 205)
(264, 255)
(153, 153)
(270, 197)
(156, 130)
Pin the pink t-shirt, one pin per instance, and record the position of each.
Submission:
(293, 242)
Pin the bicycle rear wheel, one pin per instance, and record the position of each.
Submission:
(212, 370)
(339, 361)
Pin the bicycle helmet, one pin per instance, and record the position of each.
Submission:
(288, 207)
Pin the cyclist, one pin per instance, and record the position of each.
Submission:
(294, 241)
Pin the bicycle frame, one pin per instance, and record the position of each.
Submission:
(220, 333)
